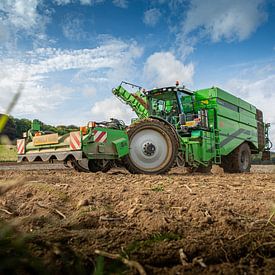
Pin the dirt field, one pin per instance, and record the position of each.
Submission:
(170, 224)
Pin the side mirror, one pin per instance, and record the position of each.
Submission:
(182, 119)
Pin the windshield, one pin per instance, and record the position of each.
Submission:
(164, 106)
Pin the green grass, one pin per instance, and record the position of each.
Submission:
(8, 153)
(157, 188)
(138, 245)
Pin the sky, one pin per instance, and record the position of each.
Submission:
(69, 54)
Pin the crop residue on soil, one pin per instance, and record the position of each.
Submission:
(221, 222)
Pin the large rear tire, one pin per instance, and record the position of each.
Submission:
(239, 161)
(153, 147)
(99, 165)
(92, 165)
(80, 165)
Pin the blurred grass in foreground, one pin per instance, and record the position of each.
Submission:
(13, 102)
(8, 153)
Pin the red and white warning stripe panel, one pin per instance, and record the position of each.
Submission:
(21, 146)
(100, 136)
(75, 140)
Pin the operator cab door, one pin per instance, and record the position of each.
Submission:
(164, 105)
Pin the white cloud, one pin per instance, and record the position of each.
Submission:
(82, 2)
(218, 20)
(151, 17)
(91, 2)
(20, 19)
(73, 27)
(4, 32)
(255, 84)
(163, 69)
(85, 2)
(85, 71)
(21, 13)
(115, 55)
(224, 19)
(62, 2)
(112, 108)
(121, 3)
(36, 97)
(89, 91)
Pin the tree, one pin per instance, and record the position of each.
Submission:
(15, 128)
(10, 129)
(22, 125)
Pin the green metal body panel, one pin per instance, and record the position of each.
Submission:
(198, 148)
(36, 125)
(122, 146)
(115, 147)
(137, 101)
(233, 118)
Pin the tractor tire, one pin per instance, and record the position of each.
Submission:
(201, 169)
(239, 161)
(153, 147)
(78, 166)
(99, 165)
(226, 164)
(204, 169)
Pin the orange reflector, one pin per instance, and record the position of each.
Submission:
(91, 124)
(38, 134)
(83, 129)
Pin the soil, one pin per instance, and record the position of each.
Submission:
(171, 224)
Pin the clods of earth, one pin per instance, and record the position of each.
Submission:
(117, 223)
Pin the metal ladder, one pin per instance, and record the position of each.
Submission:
(217, 147)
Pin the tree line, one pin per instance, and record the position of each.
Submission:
(15, 128)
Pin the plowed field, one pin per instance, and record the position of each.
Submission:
(170, 224)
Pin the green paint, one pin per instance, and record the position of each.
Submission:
(133, 100)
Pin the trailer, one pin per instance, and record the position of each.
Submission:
(174, 126)
(93, 148)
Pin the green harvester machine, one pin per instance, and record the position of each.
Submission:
(174, 127)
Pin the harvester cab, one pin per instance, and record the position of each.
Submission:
(164, 103)
(175, 105)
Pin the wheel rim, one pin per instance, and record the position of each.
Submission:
(150, 150)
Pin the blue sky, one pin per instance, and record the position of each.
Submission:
(71, 53)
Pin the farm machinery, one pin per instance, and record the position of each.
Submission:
(93, 148)
(174, 126)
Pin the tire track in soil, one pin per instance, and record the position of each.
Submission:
(31, 166)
